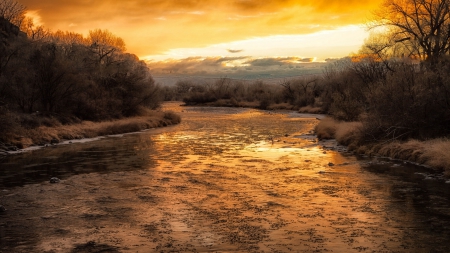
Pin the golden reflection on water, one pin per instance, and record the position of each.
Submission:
(285, 190)
(230, 180)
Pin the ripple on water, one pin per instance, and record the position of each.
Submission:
(223, 180)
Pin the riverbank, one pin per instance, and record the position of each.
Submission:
(43, 135)
(259, 105)
(217, 183)
(433, 153)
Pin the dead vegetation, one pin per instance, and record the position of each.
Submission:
(311, 109)
(344, 132)
(63, 85)
(433, 152)
(42, 135)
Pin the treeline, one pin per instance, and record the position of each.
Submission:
(397, 86)
(395, 99)
(226, 92)
(62, 77)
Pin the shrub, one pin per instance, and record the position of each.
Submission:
(9, 125)
(349, 133)
(194, 98)
(326, 129)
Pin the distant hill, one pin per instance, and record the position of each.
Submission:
(270, 75)
(172, 80)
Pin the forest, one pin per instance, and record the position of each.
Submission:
(396, 89)
(58, 78)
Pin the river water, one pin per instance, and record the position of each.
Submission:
(224, 180)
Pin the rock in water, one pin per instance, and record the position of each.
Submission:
(54, 180)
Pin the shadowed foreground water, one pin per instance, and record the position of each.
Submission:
(224, 180)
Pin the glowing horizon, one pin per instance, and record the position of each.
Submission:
(315, 46)
(176, 29)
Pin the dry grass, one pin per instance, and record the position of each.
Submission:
(348, 133)
(280, 106)
(326, 129)
(87, 129)
(433, 153)
(345, 133)
(310, 109)
(437, 154)
(232, 103)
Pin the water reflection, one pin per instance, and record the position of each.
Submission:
(102, 156)
(230, 180)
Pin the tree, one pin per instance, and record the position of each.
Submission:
(104, 44)
(34, 32)
(55, 76)
(421, 25)
(12, 11)
(68, 38)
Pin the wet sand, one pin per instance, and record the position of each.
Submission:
(224, 180)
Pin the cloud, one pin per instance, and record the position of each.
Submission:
(193, 65)
(155, 26)
(306, 60)
(332, 59)
(35, 16)
(266, 62)
(278, 61)
(234, 51)
(234, 67)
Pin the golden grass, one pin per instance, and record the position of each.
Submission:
(437, 154)
(344, 132)
(326, 129)
(434, 153)
(348, 132)
(88, 129)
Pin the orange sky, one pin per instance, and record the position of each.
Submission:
(182, 28)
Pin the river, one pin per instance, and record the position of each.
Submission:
(224, 180)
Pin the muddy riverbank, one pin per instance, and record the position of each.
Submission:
(224, 180)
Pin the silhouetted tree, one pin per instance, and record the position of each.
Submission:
(12, 11)
(104, 45)
(34, 32)
(421, 25)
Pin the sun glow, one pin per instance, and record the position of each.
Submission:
(35, 16)
(177, 29)
(314, 47)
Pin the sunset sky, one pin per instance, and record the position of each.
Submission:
(159, 30)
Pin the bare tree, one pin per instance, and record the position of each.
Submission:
(68, 38)
(104, 44)
(421, 25)
(12, 11)
(34, 32)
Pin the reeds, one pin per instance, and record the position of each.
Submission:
(43, 135)
(433, 153)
